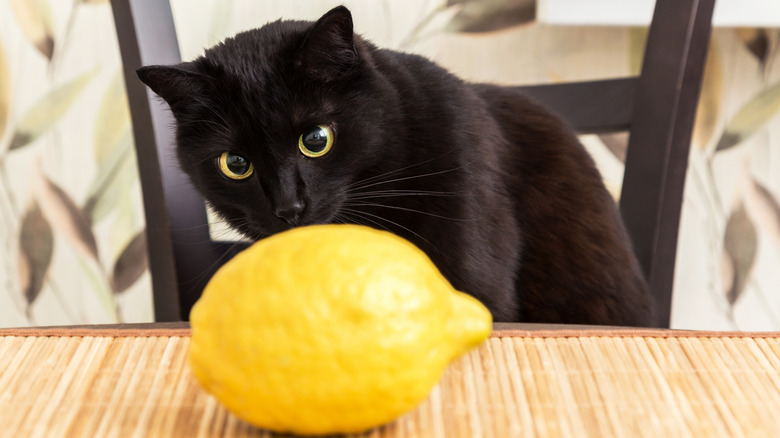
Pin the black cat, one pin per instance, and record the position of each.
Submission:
(300, 123)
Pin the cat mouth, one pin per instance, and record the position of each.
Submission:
(257, 232)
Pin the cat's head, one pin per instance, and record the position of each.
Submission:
(274, 124)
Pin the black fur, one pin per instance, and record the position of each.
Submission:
(494, 188)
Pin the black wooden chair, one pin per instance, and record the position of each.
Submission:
(657, 108)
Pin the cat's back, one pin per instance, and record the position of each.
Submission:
(577, 264)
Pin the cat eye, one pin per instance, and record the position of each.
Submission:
(316, 142)
(234, 166)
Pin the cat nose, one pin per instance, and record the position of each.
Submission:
(290, 213)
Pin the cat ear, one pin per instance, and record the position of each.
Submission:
(329, 48)
(174, 83)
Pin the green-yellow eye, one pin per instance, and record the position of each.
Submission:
(234, 166)
(316, 142)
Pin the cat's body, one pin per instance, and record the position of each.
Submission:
(495, 189)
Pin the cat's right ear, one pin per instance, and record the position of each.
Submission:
(329, 48)
(174, 83)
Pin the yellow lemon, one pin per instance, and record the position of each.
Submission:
(329, 329)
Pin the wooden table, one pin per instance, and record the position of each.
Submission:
(134, 382)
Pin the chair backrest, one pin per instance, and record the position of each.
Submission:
(657, 108)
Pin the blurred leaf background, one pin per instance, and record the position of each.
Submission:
(71, 218)
(70, 206)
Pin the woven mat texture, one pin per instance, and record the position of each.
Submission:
(517, 384)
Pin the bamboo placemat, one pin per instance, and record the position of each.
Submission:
(518, 383)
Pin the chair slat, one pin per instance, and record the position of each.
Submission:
(589, 107)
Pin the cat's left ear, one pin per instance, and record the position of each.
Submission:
(329, 48)
(176, 84)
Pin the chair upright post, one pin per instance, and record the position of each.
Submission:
(177, 230)
(666, 98)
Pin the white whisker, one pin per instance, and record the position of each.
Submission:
(395, 207)
(399, 193)
(406, 178)
(363, 215)
(375, 177)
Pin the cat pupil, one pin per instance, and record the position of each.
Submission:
(237, 164)
(316, 139)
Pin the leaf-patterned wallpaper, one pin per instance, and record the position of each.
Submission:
(732, 192)
(71, 220)
(70, 207)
